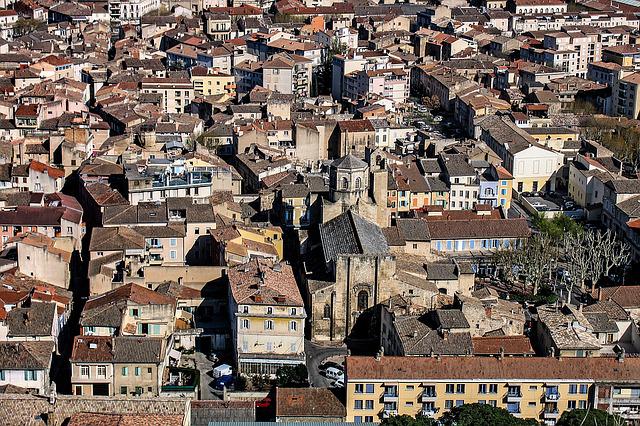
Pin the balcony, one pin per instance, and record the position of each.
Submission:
(428, 397)
(390, 397)
(428, 412)
(551, 397)
(551, 414)
(514, 396)
(389, 413)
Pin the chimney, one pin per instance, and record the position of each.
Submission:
(180, 280)
(501, 352)
(599, 293)
(415, 333)
(621, 355)
(552, 352)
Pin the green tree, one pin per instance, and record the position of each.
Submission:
(326, 69)
(592, 417)
(483, 415)
(405, 420)
(292, 376)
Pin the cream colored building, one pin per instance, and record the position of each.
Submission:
(209, 81)
(177, 93)
(267, 317)
(528, 387)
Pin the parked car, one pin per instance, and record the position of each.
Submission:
(333, 373)
(339, 383)
(211, 356)
(325, 365)
(222, 370)
(223, 382)
(264, 402)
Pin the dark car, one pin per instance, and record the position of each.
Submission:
(221, 382)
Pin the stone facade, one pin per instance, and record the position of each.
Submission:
(28, 410)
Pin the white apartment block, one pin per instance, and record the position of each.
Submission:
(125, 11)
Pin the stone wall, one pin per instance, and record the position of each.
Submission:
(28, 410)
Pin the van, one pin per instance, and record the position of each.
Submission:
(222, 370)
(334, 374)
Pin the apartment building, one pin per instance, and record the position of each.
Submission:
(289, 74)
(209, 81)
(625, 94)
(267, 316)
(130, 11)
(177, 93)
(527, 387)
(388, 83)
(536, 6)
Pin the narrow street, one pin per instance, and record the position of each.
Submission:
(316, 354)
(205, 368)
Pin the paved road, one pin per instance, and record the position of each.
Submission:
(316, 354)
(205, 367)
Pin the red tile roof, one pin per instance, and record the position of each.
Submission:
(42, 168)
(492, 368)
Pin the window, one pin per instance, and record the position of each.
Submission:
(357, 419)
(69, 230)
(582, 404)
(363, 300)
(482, 388)
(173, 242)
(460, 388)
(368, 404)
(571, 405)
(173, 254)
(125, 371)
(573, 389)
(448, 403)
(245, 324)
(326, 312)
(2, 376)
(345, 183)
(294, 311)
(268, 325)
(84, 370)
(30, 375)
(459, 402)
(149, 370)
(357, 404)
(358, 183)
(137, 371)
(269, 310)
(293, 326)
(359, 388)
(269, 346)
(584, 389)
(102, 371)
(197, 231)
(123, 390)
(369, 388)
(493, 388)
(449, 388)
(134, 312)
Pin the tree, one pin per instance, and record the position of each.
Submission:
(405, 420)
(592, 417)
(483, 415)
(292, 376)
(326, 69)
(535, 261)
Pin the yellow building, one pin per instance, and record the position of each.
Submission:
(528, 387)
(209, 81)
(267, 317)
(236, 244)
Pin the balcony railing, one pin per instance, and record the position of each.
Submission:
(514, 396)
(428, 396)
(389, 413)
(552, 396)
(389, 397)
